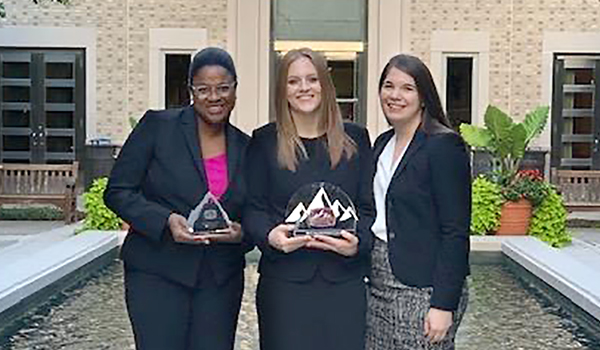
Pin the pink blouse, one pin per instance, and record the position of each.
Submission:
(216, 173)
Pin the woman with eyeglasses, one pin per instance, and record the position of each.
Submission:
(311, 291)
(183, 289)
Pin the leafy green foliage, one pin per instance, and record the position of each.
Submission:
(505, 139)
(528, 184)
(133, 122)
(64, 2)
(98, 216)
(535, 122)
(3, 10)
(476, 136)
(486, 205)
(549, 221)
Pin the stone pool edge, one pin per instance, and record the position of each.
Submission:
(27, 280)
(576, 281)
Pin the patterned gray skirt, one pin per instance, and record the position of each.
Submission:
(396, 312)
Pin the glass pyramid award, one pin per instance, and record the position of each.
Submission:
(321, 208)
(209, 216)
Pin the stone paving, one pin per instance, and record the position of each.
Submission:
(12, 232)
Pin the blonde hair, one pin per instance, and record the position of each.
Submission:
(289, 144)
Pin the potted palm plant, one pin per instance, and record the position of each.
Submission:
(506, 141)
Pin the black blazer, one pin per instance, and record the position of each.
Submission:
(160, 171)
(428, 212)
(270, 187)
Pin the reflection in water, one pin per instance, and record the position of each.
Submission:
(501, 315)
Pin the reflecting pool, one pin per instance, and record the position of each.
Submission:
(504, 313)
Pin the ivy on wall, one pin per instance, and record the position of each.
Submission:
(3, 9)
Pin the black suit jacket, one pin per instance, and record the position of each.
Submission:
(270, 187)
(159, 171)
(428, 211)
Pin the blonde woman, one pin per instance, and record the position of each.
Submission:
(311, 292)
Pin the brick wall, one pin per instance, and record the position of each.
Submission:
(516, 30)
(122, 44)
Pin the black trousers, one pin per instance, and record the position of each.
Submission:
(314, 315)
(167, 315)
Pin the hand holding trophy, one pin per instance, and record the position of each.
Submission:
(325, 213)
(321, 208)
(209, 222)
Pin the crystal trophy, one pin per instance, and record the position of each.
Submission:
(321, 208)
(209, 217)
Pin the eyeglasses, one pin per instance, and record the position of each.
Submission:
(203, 91)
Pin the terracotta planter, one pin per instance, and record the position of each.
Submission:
(514, 219)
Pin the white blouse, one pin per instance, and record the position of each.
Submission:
(386, 168)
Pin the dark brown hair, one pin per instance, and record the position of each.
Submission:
(434, 118)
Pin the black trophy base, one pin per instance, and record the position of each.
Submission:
(333, 232)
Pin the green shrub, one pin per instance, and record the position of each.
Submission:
(549, 219)
(486, 205)
(31, 213)
(98, 216)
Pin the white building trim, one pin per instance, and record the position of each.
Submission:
(64, 38)
(472, 44)
(163, 41)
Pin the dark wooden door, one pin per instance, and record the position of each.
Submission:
(42, 105)
(576, 113)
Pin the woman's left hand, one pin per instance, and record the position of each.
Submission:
(437, 323)
(346, 244)
(233, 234)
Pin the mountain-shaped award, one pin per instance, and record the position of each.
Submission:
(209, 216)
(321, 208)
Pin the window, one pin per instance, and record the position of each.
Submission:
(459, 90)
(176, 84)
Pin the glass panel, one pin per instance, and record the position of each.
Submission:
(328, 20)
(15, 93)
(459, 83)
(348, 111)
(59, 120)
(16, 142)
(59, 161)
(338, 29)
(18, 70)
(581, 150)
(59, 95)
(176, 90)
(583, 126)
(16, 161)
(342, 74)
(59, 70)
(579, 76)
(59, 144)
(15, 119)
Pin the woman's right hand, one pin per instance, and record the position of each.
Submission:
(181, 231)
(279, 239)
